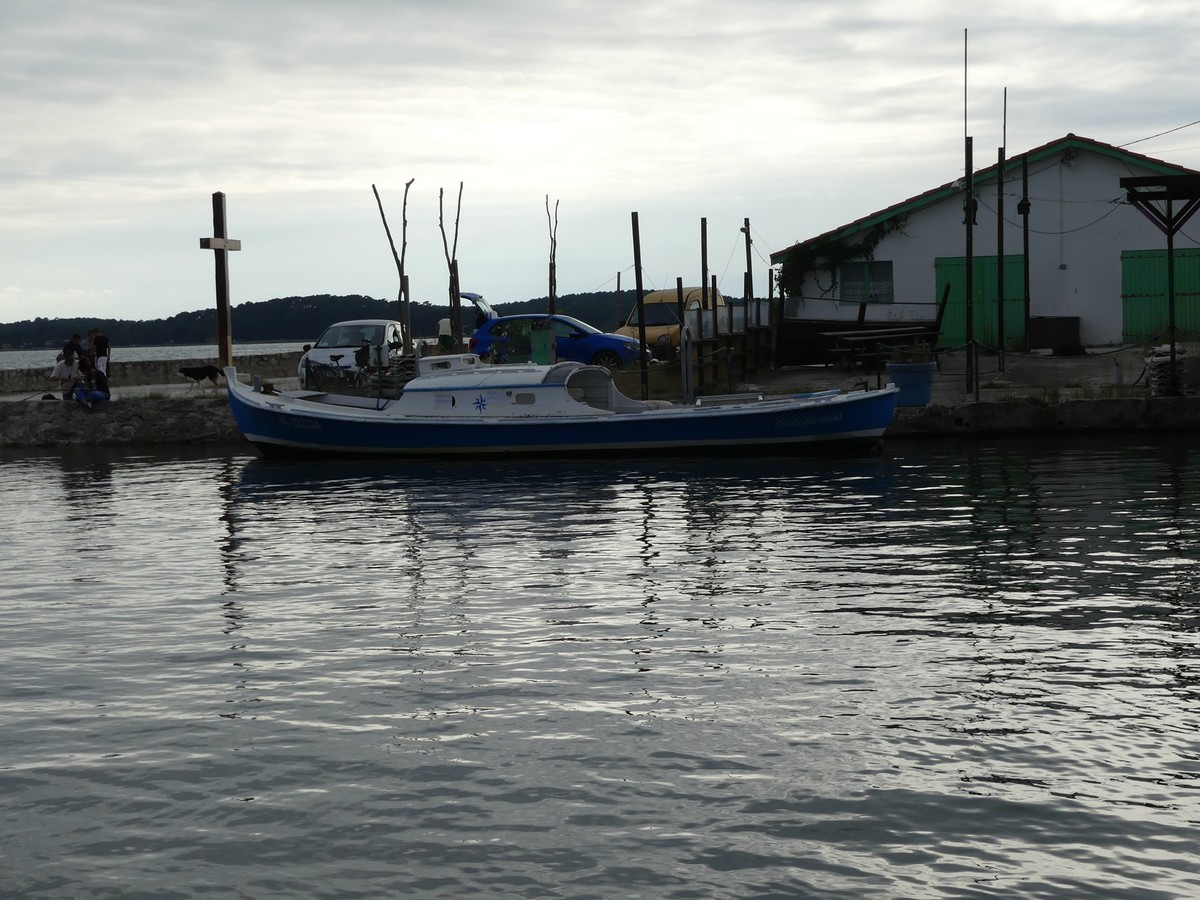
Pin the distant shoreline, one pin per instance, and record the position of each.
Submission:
(45, 357)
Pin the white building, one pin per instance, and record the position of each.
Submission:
(1096, 262)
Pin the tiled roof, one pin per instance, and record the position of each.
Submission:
(1054, 148)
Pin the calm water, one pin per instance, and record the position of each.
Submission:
(939, 672)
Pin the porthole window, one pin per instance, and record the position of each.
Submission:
(524, 399)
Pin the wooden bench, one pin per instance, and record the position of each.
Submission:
(875, 345)
(871, 345)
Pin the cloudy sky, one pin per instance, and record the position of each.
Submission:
(122, 117)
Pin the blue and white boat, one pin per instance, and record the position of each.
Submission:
(458, 406)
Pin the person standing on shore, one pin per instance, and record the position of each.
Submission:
(100, 351)
(72, 351)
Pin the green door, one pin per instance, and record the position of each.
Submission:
(1144, 302)
(953, 271)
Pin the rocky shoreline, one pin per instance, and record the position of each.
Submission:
(132, 422)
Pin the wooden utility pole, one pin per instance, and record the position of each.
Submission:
(617, 311)
(969, 206)
(748, 287)
(969, 275)
(1000, 257)
(221, 246)
(687, 391)
(1023, 208)
(641, 307)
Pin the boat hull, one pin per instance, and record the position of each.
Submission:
(278, 425)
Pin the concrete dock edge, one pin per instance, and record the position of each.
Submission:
(208, 419)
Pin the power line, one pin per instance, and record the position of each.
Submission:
(1160, 134)
(1116, 204)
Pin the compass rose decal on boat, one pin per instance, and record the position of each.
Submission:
(480, 403)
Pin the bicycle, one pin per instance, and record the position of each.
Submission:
(324, 376)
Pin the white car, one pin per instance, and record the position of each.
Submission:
(345, 349)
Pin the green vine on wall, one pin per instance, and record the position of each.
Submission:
(828, 254)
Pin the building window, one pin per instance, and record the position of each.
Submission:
(869, 281)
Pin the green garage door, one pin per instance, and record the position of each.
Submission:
(1144, 303)
(953, 270)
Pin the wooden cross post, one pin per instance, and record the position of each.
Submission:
(1142, 193)
(221, 245)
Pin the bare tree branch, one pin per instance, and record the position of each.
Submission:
(452, 263)
(552, 222)
(404, 225)
(442, 225)
(457, 215)
(388, 231)
(402, 299)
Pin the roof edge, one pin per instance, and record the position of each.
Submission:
(982, 176)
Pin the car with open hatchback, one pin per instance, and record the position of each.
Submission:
(510, 339)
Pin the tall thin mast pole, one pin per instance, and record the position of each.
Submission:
(1000, 236)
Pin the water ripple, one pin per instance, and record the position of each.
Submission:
(935, 672)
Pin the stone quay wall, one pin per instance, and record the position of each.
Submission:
(269, 365)
(140, 421)
(1029, 417)
(207, 419)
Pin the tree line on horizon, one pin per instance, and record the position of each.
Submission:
(300, 319)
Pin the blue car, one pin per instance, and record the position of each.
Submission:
(509, 339)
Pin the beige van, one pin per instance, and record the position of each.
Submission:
(662, 319)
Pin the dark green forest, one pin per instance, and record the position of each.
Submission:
(299, 319)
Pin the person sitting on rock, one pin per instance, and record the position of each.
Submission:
(66, 374)
(91, 387)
